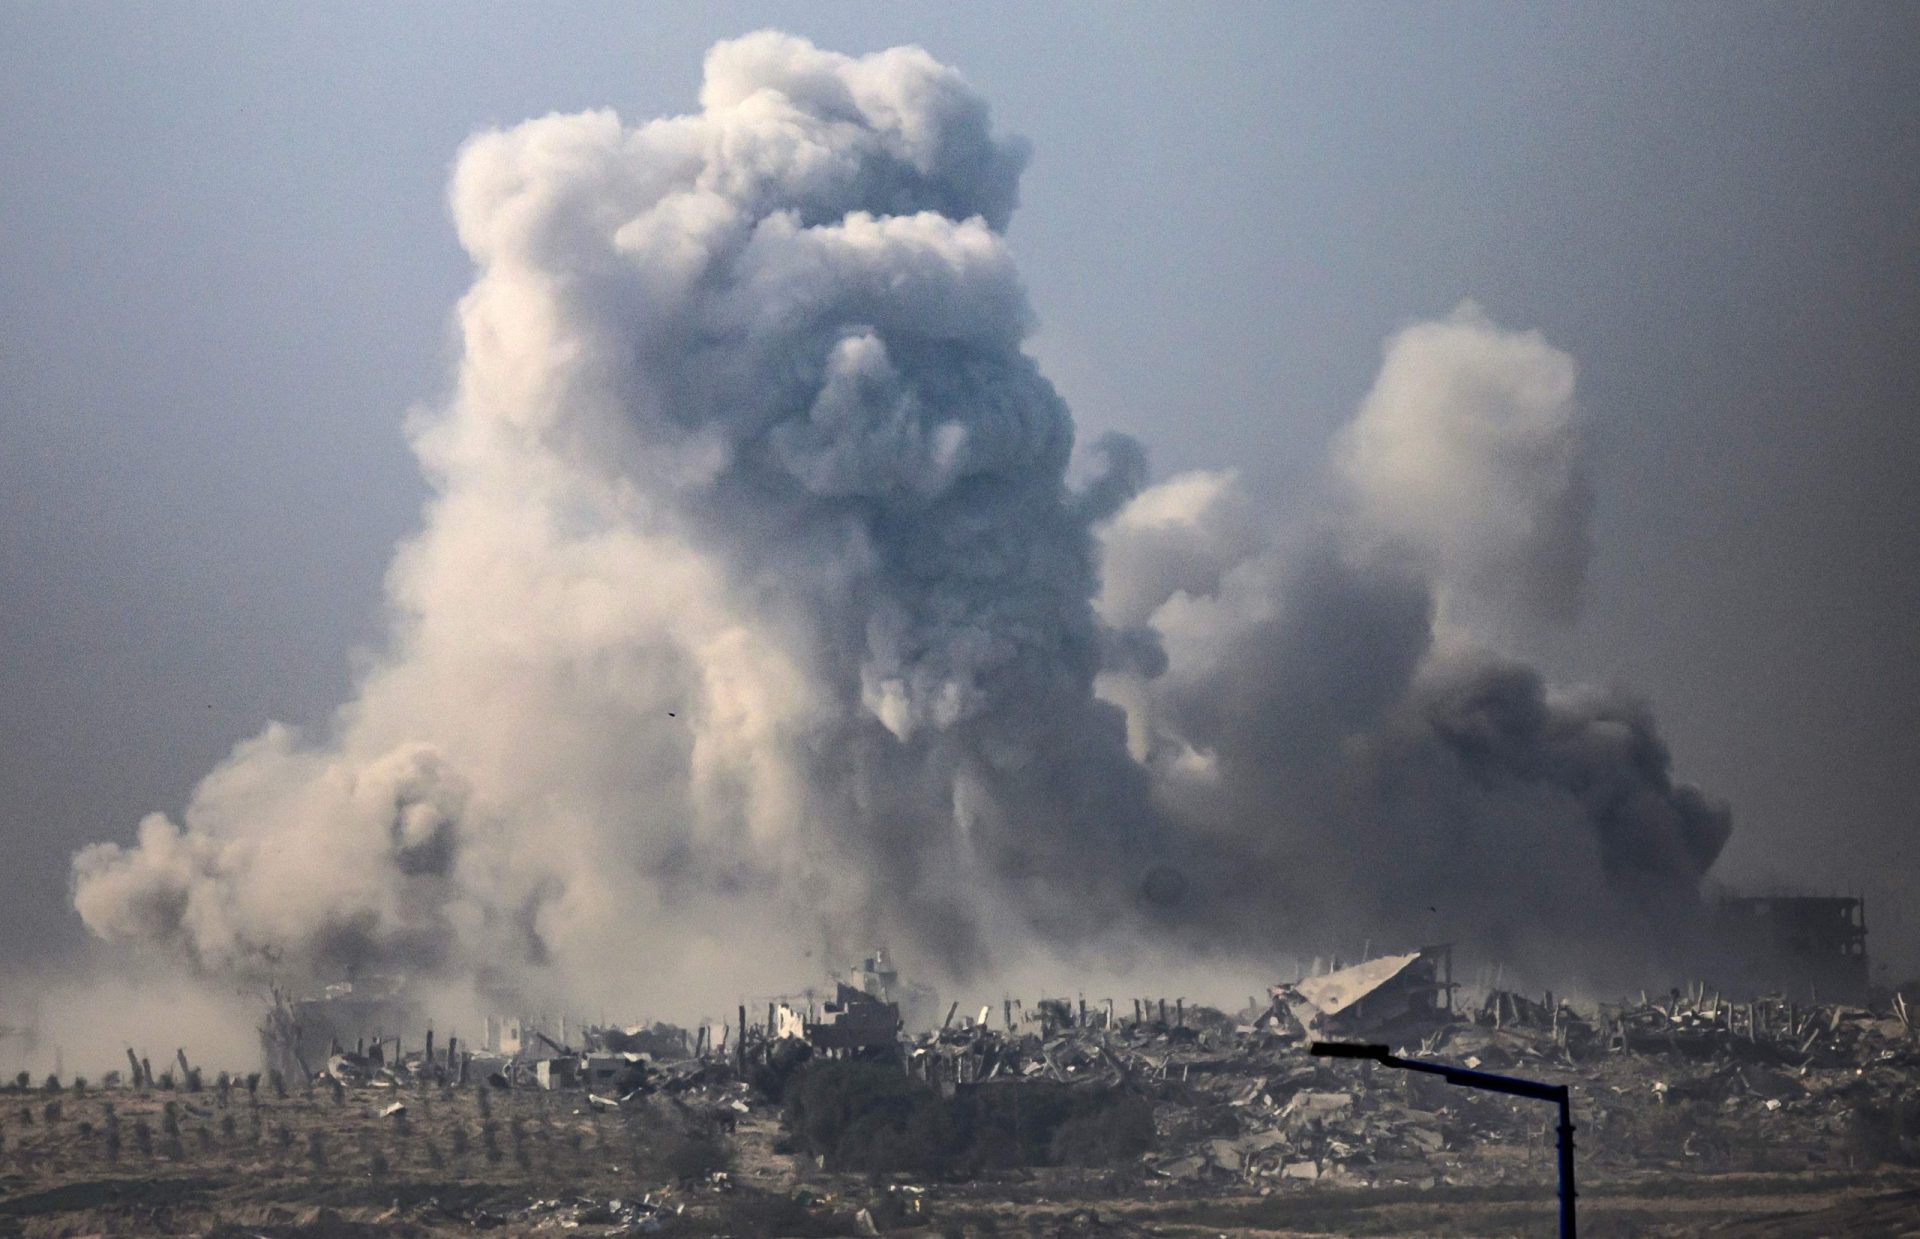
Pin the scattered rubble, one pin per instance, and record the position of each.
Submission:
(1394, 993)
(1689, 1080)
(1237, 1099)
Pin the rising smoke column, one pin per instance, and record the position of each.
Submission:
(751, 595)
(753, 612)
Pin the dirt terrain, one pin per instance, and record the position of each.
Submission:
(455, 1161)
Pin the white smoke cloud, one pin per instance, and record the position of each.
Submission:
(1466, 453)
(751, 597)
(754, 613)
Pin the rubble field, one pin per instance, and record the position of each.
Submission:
(1694, 1116)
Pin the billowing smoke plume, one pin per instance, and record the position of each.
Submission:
(754, 616)
(1330, 724)
(1466, 453)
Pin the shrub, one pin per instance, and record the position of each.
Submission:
(1108, 1135)
(866, 1116)
(696, 1156)
(771, 1075)
(762, 1213)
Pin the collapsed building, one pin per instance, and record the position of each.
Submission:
(854, 1023)
(1388, 995)
(608, 1062)
(372, 1031)
(299, 1035)
(1235, 1096)
(877, 977)
(1236, 1099)
(870, 1009)
(1811, 947)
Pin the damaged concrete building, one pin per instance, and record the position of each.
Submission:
(1388, 995)
(855, 1022)
(877, 976)
(299, 1035)
(1809, 947)
(604, 1060)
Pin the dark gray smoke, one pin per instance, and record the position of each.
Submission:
(1332, 725)
(755, 614)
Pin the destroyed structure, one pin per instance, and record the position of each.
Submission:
(1385, 996)
(299, 1034)
(1695, 1078)
(877, 976)
(1692, 1079)
(1809, 947)
(855, 1022)
(1213, 1106)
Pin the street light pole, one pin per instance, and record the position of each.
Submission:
(1467, 1078)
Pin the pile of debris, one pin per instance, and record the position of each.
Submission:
(1691, 1079)
(1770, 1029)
(1688, 1079)
(646, 1215)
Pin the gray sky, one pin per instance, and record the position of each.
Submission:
(226, 269)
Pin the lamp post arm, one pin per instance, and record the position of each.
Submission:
(1466, 1077)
